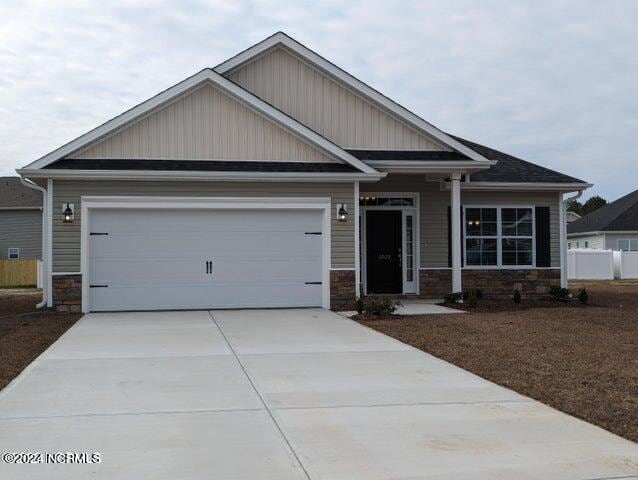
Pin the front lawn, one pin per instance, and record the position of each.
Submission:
(25, 332)
(582, 360)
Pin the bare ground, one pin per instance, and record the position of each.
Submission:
(26, 332)
(582, 360)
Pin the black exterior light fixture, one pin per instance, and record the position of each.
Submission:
(68, 213)
(342, 213)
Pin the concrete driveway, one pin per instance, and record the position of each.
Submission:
(280, 394)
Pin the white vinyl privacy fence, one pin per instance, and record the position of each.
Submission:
(625, 264)
(590, 264)
(584, 264)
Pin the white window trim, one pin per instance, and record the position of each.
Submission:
(90, 204)
(17, 251)
(499, 237)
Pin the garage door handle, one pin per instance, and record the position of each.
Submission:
(209, 266)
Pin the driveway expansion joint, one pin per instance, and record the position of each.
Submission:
(261, 398)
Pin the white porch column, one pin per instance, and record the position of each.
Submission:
(563, 241)
(456, 232)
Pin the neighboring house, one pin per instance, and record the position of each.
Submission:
(276, 179)
(20, 220)
(571, 216)
(612, 227)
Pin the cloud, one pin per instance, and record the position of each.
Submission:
(551, 81)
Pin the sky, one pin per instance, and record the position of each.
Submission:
(554, 82)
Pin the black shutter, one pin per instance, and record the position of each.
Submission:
(449, 236)
(462, 230)
(543, 246)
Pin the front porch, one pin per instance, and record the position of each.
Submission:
(430, 236)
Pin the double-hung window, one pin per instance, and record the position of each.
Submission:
(481, 236)
(517, 236)
(628, 245)
(499, 236)
(14, 253)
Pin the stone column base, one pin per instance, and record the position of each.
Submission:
(67, 293)
(342, 289)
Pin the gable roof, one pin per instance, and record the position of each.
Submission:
(230, 88)
(618, 216)
(281, 39)
(512, 169)
(13, 194)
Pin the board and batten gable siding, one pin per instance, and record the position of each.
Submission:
(66, 237)
(21, 229)
(204, 124)
(434, 203)
(326, 105)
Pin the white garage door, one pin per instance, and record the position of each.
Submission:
(198, 259)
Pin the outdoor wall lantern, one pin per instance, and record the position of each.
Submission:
(342, 213)
(67, 211)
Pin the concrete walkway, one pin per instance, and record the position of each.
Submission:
(281, 394)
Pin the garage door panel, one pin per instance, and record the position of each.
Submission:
(156, 259)
(162, 220)
(194, 296)
(159, 270)
(204, 244)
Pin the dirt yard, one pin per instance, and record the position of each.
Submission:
(25, 332)
(582, 360)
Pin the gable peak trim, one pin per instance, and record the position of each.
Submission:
(192, 82)
(413, 120)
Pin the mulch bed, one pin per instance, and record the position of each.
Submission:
(582, 360)
(26, 332)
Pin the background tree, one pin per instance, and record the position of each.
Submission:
(593, 204)
(576, 207)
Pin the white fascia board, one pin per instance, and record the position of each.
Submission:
(203, 176)
(20, 208)
(514, 186)
(228, 87)
(393, 166)
(605, 232)
(417, 122)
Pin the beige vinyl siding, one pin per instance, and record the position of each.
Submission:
(66, 237)
(611, 239)
(593, 241)
(205, 124)
(326, 105)
(434, 203)
(21, 229)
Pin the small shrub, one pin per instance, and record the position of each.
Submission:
(473, 291)
(517, 296)
(359, 306)
(559, 294)
(583, 296)
(379, 306)
(472, 298)
(455, 297)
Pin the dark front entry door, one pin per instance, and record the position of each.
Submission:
(383, 251)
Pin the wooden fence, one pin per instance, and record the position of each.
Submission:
(18, 273)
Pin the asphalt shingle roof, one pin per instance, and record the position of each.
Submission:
(14, 194)
(201, 165)
(406, 155)
(620, 215)
(513, 169)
